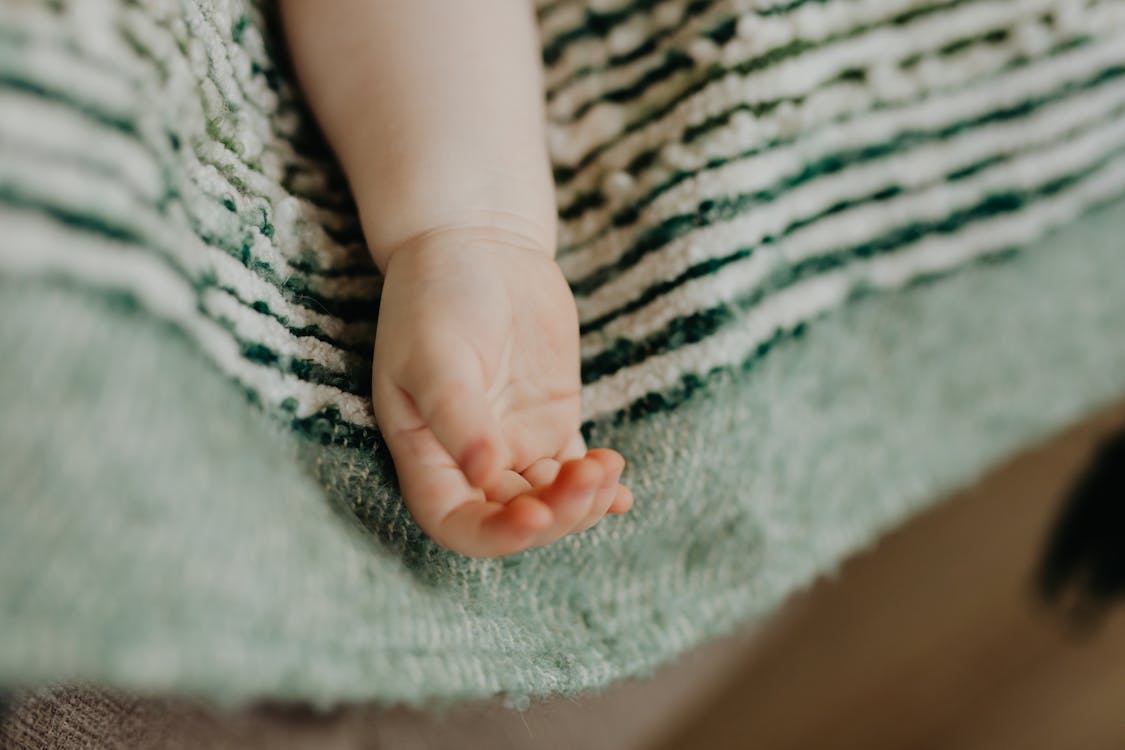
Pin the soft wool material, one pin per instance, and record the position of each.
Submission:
(779, 221)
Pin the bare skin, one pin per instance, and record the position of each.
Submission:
(434, 110)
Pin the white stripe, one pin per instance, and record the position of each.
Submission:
(812, 22)
(111, 94)
(261, 135)
(249, 325)
(208, 153)
(277, 107)
(834, 101)
(86, 193)
(885, 125)
(90, 190)
(796, 76)
(824, 106)
(64, 132)
(230, 63)
(937, 253)
(35, 245)
(879, 127)
(300, 227)
(53, 68)
(789, 79)
(861, 224)
(87, 32)
(596, 51)
(564, 17)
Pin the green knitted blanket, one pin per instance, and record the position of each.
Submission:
(831, 258)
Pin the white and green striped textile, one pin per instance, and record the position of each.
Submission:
(831, 259)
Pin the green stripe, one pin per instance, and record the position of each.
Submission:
(704, 323)
(348, 236)
(712, 211)
(236, 239)
(143, 244)
(600, 25)
(690, 384)
(82, 221)
(328, 427)
(87, 108)
(723, 32)
(306, 140)
(648, 46)
(716, 72)
(260, 215)
(595, 25)
(595, 198)
(89, 163)
(355, 382)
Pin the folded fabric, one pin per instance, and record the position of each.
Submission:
(811, 248)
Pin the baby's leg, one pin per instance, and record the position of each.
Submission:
(435, 111)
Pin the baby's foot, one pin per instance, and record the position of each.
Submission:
(476, 391)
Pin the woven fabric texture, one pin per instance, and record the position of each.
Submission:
(810, 245)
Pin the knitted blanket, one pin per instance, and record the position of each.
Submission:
(811, 245)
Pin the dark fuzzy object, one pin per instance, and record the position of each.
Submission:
(1085, 554)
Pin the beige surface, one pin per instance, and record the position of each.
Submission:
(633, 714)
(936, 638)
(930, 640)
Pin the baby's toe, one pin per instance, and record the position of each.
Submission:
(612, 463)
(542, 472)
(605, 495)
(507, 485)
(570, 496)
(487, 529)
(622, 501)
